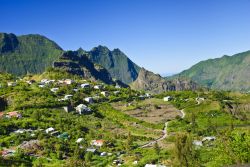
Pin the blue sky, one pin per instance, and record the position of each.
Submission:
(164, 36)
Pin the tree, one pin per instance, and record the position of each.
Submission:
(184, 151)
(129, 142)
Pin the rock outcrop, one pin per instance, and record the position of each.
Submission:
(154, 83)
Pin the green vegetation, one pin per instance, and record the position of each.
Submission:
(116, 123)
(226, 73)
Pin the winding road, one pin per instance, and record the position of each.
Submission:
(165, 132)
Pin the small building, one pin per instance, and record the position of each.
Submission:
(68, 81)
(97, 143)
(154, 165)
(41, 86)
(116, 92)
(103, 154)
(105, 93)
(54, 90)
(64, 136)
(11, 83)
(79, 140)
(83, 109)
(68, 108)
(85, 85)
(14, 114)
(141, 97)
(68, 97)
(167, 98)
(197, 143)
(89, 99)
(98, 87)
(30, 82)
(49, 130)
(208, 138)
(93, 150)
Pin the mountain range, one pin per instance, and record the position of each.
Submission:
(225, 73)
(24, 54)
(33, 53)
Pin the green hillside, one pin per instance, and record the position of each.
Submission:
(226, 73)
(116, 62)
(26, 54)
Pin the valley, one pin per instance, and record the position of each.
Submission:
(134, 128)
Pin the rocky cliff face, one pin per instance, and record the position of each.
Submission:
(79, 64)
(154, 83)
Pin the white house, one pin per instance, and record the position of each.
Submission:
(209, 138)
(82, 109)
(167, 98)
(105, 93)
(89, 99)
(54, 90)
(79, 140)
(49, 130)
(11, 83)
(197, 143)
(67, 97)
(85, 85)
(68, 81)
(153, 165)
(98, 87)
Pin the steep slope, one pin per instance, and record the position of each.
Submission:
(116, 62)
(226, 73)
(154, 83)
(26, 54)
(79, 64)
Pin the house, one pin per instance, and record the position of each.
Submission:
(197, 143)
(93, 150)
(152, 165)
(1, 114)
(30, 82)
(64, 136)
(14, 114)
(43, 81)
(97, 143)
(49, 130)
(82, 109)
(54, 90)
(103, 154)
(148, 95)
(67, 97)
(79, 140)
(54, 133)
(117, 86)
(167, 98)
(68, 108)
(89, 99)
(116, 92)
(75, 89)
(41, 86)
(105, 93)
(7, 152)
(208, 138)
(141, 97)
(85, 85)
(98, 87)
(68, 81)
(11, 83)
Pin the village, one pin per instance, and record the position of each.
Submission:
(97, 122)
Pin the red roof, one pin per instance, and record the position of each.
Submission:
(13, 114)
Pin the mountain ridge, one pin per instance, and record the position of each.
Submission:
(226, 72)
